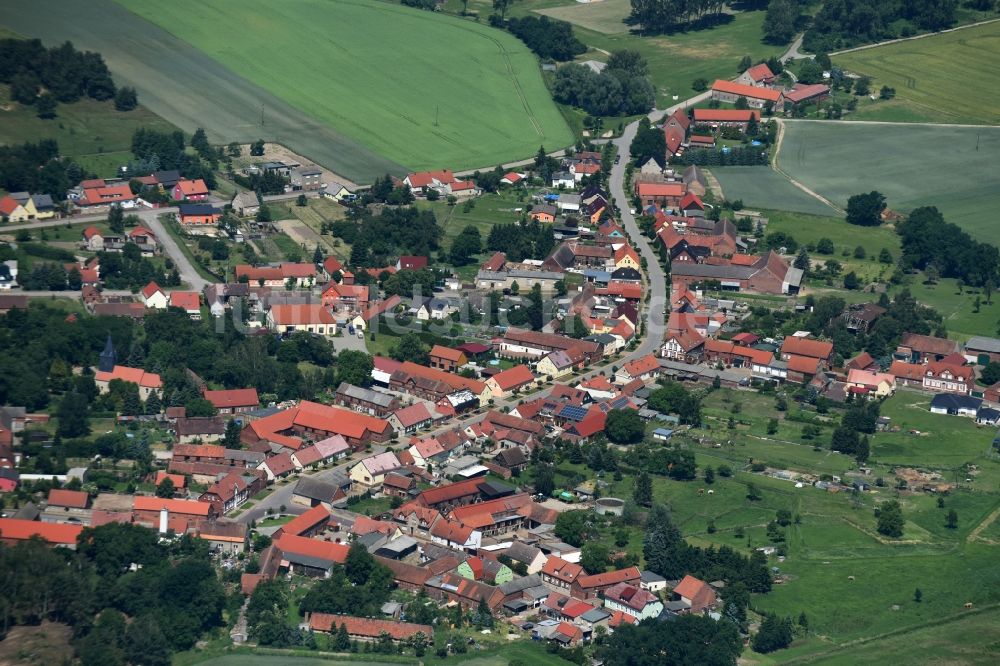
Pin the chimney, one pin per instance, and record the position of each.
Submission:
(164, 516)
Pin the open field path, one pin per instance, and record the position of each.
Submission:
(163, 67)
(778, 169)
(987, 521)
(882, 122)
(910, 39)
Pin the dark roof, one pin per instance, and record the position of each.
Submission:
(197, 209)
(315, 489)
(951, 401)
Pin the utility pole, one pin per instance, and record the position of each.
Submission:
(438, 108)
(262, 114)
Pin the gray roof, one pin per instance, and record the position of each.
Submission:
(520, 584)
(314, 489)
(522, 552)
(712, 271)
(244, 456)
(43, 201)
(651, 577)
(981, 343)
(545, 208)
(952, 401)
(595, 615)
(793, 276)
(537, 275)
(570, 199)
(366, 395)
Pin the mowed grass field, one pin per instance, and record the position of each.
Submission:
(948, 78)
(426, 91)
(956, 169)
(761, 187)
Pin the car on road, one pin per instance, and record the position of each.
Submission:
(618, 158)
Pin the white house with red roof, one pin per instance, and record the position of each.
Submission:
(646, 367)
(512, 178)
(429, 179)
(759, 75)
(508, 381)
(147, 382)
(153, 297)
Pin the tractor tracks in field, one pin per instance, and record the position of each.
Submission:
(782, 172)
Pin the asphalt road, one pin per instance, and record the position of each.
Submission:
(282, 495)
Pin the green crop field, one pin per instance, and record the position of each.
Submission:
(606, 16)
(762, 187)
(953, 168)
(932, 77)
(426, 91)
(958, 308)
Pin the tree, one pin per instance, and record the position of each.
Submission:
(951, 522)
(411, 348)
(649, 142)
(466, 245)
(544, 480)
(354, 367)
(45, 106)
(825, 246)
(231, 438)
(199, 141)
(166, 488)
(145, 643)
(802, 260)
(689, 639)
(643, 491)
(991, 373)
(918, 595)
(753, 492)
(116, 219)
(126, 99)
(501, 7)
(772, 426)
(72, 415)
(709, 475)
(745, 64)
(865, 209)
(257, 148)
(884, 256)
(624, 426)
(774, 634)
(573, 527)
(153, 404)
(342, 639)
(851, 281)
(780, 20)
(594, 557)
(301, 201)
(890, 519)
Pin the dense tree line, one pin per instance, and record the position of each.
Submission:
(119, 616)
(671, 15)
(66, 74)
(378, 240)
(927, 240)
(668, 554)
(679, 464)
(37, 167)
(847, 23)
(613, 92)
(735, 156)
(532, 240)
(550, 39)
(688, 639)
(359, 587)
(166, 151)
(130, 269)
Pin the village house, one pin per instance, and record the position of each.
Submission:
(666, 195)
(647, 367)
(916, 348)
(559, 573)
(876, 384)
(147, 382)
(223, 536)
(368, 629)
(446, 358)
(955, 405)
(190, 190)
(945, 377)
(697, 594)
(345, 297)
(310, 557)
(757, 97)
(317, 422)
(231, 491)
(805, 93)
(200, 429)
(310, 318)
(312, 492)
(298, 275)
(769, 274)
(246, 203)
(592, 586)
(759, 75)
(177, 515)
(189, 301)
(982, 350)
(635, 601)
(507, 382)
(738, 118)
(521, 343)
(16, 530)
(366, 401)
(233, 401)
(371, 471)
(197, 214)
(408, 420)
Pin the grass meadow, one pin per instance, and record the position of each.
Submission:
(426, 91)
(932, 77)
(953, 168)
(93, 133)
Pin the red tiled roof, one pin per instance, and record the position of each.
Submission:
(609, 578)
(910, 371)
(306, 521)
(9, 204)
(803, 92)
(425, 178)
(662, 189)
(760, 72)
(134, 375)
(187, 300)
(54, 533)
(803, 364)
(447, 353)
(322, 550)
(233, 398)
(367, 627)
(642, 366)
(725, 115)
(742, 90)
(556, 567)
(449, 492)
(190, 188)
(806, 347)
(301, 314)
(513, 378)
(76, 499)
(451, 532)
(199, 451)
(151, 289)
(331, 265)
(184, 507)
(412, 415)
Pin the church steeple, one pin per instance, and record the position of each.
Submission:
(108, 357)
